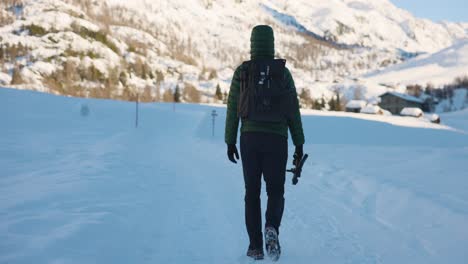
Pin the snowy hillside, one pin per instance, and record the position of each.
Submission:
(458, 119)
(439, 68)
(353, 22)
(77, 188)
(124, 49)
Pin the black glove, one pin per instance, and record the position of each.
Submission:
(231, 152)
(298, 153)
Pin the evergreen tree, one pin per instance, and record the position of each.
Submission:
(177, 94)
(317, 105)
(305, 99)
(123, 78)
(218, 94)
(225, 100)
(332, 104)
(338, 102)
(322, 103)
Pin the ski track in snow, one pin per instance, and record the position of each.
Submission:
(94, 189)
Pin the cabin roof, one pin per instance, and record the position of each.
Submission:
(403, 96)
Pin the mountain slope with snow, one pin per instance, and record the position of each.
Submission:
(354, 22)
(118, 49)
(438, 69)
(77, 188)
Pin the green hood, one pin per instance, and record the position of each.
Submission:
(262, 43)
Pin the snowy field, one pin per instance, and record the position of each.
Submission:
(94, 189)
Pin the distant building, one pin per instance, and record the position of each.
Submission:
(412, 111)
(429, 102)
(395, 102)
(374, 110)
(355, 106)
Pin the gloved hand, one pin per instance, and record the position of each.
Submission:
(298, 153)
(231, 152)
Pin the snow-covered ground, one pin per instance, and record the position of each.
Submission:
(458, 119)
(95, 189)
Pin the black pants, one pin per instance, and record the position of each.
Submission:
(267, 154)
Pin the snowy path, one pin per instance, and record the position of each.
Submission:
(96, 190)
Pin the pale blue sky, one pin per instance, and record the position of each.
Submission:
(450, 10)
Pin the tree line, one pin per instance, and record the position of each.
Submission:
(335, 103)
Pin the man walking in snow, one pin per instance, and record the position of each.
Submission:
(264, 98)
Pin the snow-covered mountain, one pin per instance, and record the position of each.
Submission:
(117, 48)
(370, 23)
(437, 68)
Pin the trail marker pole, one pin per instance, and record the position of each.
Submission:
(213, 115)
(136, 111)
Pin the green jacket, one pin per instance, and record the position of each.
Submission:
(232, 119)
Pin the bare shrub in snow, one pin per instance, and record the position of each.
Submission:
(100, 36)
(10, 53)
(35, 30)
(137, 47)
(94, 74)
(5, 18)
(70, 75)
(414, 90)
(140, 68)
(53, 84)
(179, 52)
(213, 74)
(305, 100)
(157, 93)
(112, 80)
(17, 77)
(146, 94)
(168, 96)
(101, 92)
(159, 76)
(191, 94)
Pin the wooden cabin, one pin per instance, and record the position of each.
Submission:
(355, 106)
(395, 102)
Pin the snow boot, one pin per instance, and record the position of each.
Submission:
(255, 253)
(272, 243)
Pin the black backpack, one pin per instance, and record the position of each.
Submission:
(264, 93)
